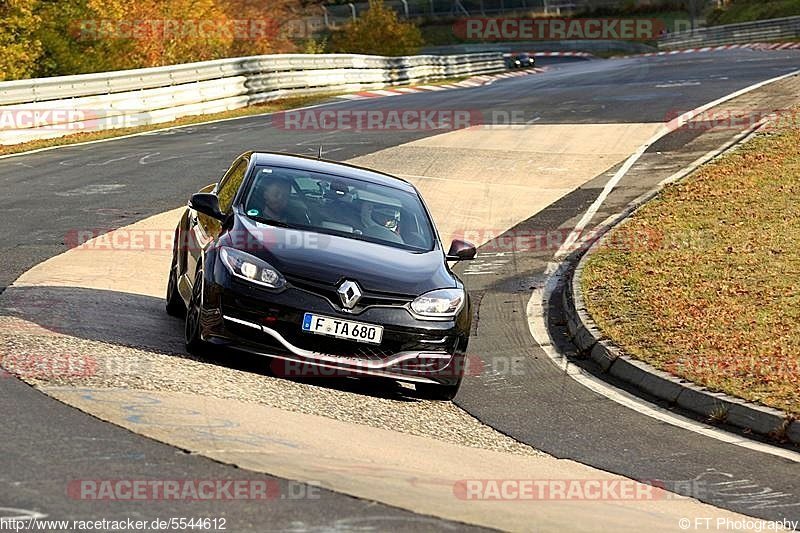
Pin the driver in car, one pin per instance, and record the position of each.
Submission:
(276, 199)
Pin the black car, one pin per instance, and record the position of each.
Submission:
(522, 61)
(327, 268)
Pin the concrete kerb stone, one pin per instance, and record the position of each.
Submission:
(605, 354)
(793, 432)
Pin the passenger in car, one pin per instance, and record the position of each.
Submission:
(371, 228)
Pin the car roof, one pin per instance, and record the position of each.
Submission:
(313, 164)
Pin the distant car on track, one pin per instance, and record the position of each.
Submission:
(322, 265)
(521, 61)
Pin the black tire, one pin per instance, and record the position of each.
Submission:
(445, 393)
(175, 305)
(191, 331)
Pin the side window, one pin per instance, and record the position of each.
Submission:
(230, 185)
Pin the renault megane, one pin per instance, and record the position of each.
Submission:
(322, 265)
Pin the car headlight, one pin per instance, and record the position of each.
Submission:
(441, 303)
(251, 268)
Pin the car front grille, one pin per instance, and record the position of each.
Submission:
(368, 298)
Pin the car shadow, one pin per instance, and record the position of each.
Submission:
(141, 322)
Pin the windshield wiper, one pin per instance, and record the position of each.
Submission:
(270, 221)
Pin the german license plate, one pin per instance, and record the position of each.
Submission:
(343, 329)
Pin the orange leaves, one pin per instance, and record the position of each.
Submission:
(19, 48)
(153, 33)
(267, 25)
(58, 37)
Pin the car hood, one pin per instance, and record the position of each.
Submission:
(331, 259)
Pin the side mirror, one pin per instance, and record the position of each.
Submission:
(461, 251)
(208, 204)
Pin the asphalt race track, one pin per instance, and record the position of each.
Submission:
(113, 184)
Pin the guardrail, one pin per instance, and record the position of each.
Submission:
(53, 107)
(782, 29)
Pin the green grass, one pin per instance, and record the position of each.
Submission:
(439, 34)
(750, 10)
(704, 281)
(672, 20)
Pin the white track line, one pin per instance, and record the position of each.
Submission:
(668, 128)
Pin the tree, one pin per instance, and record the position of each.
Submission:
(378, 31)
(261, 27)
(19, 49)
(179, 31)
(70, 40)
(61, 37)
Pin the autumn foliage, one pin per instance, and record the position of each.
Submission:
(19, 48)
(57, 37)
(60, 37)
(378, 31)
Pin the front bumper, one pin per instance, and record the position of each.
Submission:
(414, 366)
(263, 322)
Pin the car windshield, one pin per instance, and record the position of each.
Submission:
(339, 205)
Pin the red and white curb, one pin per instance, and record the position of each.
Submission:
(748, 46)
(562, 54)
(776, 46)
(551, 54)
(475, 81)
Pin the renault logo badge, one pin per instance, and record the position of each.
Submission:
(349, 294)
